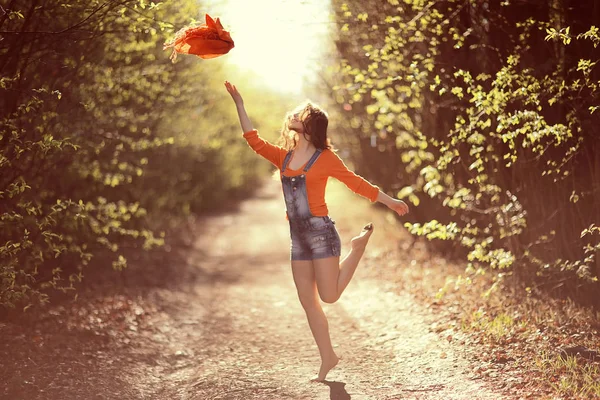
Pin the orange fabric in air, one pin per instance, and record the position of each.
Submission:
(328, 164)
(209, 40)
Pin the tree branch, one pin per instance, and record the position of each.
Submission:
(71, 28)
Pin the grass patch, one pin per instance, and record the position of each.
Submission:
(572, 377)
(531, 328)
(498, 327)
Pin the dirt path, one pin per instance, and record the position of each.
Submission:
(233, 328)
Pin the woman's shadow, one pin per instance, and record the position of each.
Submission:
(337, 390)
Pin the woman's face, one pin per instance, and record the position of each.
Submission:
(295, 122)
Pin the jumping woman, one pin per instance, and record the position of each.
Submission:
(305, 164)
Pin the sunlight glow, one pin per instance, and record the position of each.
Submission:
(282, 41)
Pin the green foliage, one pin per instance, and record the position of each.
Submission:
(104, 143)
(489, 110)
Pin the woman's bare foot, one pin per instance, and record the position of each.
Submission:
(360, 242)
(326, 366)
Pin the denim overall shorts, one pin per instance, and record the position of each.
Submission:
(312, 237)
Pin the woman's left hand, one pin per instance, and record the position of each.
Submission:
(399, 206)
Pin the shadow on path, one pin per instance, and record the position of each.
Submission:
(337, 390)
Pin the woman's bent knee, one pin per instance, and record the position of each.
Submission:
(329, 299)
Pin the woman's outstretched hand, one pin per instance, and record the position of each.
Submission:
(399, 206)
(235, 95)
(239, 105)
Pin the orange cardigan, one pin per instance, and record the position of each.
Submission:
(328, 164)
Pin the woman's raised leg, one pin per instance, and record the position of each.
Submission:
(304, 278)
(332, 276)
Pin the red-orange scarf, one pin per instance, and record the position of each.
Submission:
(209, 40)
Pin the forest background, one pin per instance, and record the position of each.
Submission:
(482, 115)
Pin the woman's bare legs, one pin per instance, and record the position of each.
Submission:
(326, 278)
(332, 276)
(304, 278)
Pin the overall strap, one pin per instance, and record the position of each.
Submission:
(286, 160)
(312, 160)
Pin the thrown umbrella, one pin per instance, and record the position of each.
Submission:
(208, 40)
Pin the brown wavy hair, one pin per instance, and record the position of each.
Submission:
(314, 120)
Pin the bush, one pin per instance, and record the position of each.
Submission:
(490, 110)
(104, 141)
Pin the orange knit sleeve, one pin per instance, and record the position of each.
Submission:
(354, 182)
(275, 154)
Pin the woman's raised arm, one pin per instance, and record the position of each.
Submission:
(271, 152)
(239, 104)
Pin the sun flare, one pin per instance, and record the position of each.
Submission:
(281, 41)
